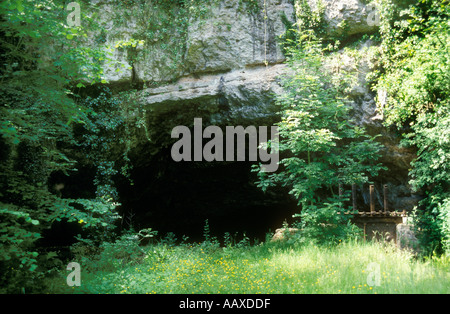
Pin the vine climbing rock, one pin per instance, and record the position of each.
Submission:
(344, 17)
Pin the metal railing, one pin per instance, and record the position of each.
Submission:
(385, 212)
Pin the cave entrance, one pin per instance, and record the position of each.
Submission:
(178, 197)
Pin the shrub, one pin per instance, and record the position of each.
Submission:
(109, 256)
(326, 224)
(18, 259)
(415, 79)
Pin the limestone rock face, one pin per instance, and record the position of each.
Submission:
(346, 16)
(229, 72)
(226, 57)
(233, 39)
(359, 61)
(406, 238)
(240, 96)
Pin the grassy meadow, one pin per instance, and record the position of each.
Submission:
(268, 268)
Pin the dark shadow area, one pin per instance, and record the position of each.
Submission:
(178, 197)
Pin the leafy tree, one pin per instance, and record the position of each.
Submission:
(42, 58)
(416, 79)
(321, 146)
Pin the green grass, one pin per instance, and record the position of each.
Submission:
(267, 269)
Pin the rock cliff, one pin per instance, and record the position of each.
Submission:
(224, 67)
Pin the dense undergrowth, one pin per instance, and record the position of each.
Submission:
(269, 268)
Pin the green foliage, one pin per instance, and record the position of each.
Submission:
(310, 19)
(417, 69)
(109, 256)
(18, 234)
(105, 136)
(210, 242)
(251, 6)
(146, 234)
(126, 250)
(321, 148)
(415, 80)
(42, 60)
(325, 223)
(103, 121)
(97, 216)
(22, 265)
(432, 221)
(444, 216)
(431, 136)
(131, 46)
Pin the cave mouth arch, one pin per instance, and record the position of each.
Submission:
(178, 197)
